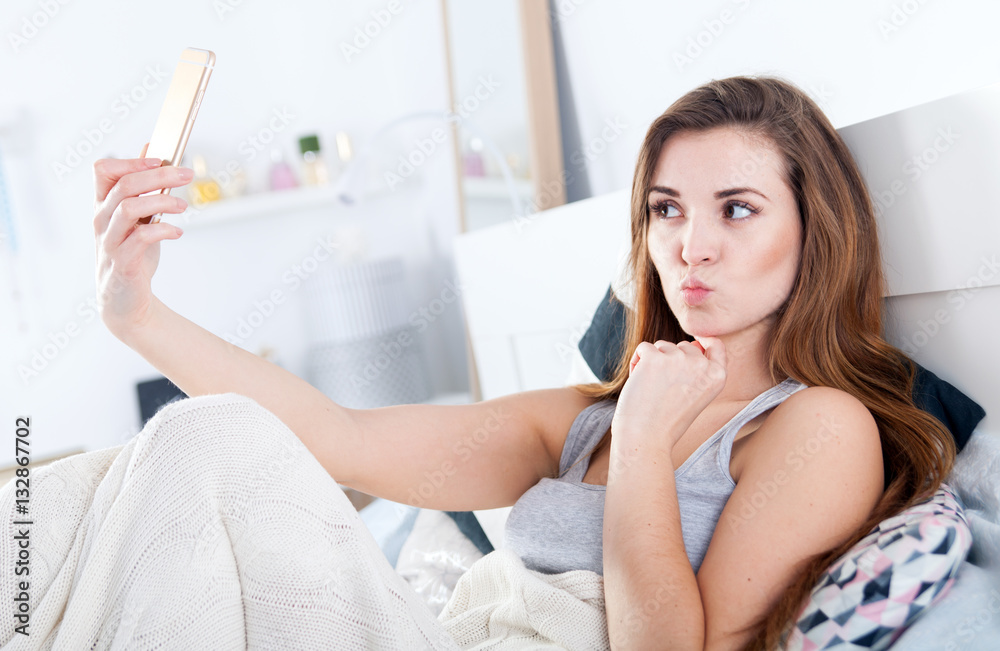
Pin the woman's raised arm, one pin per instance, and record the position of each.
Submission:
(458, 457)
(446, 457)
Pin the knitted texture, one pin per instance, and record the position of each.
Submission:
(500, 605)
(213, 528)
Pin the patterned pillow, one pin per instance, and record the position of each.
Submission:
(887, 580)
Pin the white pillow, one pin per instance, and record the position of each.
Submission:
(434, 557)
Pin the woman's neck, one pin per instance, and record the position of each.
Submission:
(747, 370)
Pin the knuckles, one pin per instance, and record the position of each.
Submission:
(100, 167)
(127, 207)
(125, 186)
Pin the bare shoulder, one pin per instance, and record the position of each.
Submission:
(813, 480)
(817, 422)
(834, 408)
(553, 412)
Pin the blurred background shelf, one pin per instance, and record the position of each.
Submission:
(263, 204)
(487, 187)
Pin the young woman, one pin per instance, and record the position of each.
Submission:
(758, 424)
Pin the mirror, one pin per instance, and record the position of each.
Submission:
(503, 90)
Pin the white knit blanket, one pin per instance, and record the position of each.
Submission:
(215, 528)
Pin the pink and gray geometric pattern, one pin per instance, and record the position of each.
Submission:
(892, 576)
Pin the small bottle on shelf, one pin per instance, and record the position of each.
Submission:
(473, 159)
(314, 170)
(204, 189)
(282, 176)
(344, 152)
(233, 181)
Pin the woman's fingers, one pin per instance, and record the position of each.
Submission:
(130, 254)
(107, 172)
(715, 351)
(712, 348)
(142, 154)
(131, 209)
(135, 183)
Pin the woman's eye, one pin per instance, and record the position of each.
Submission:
(737, 211)
(663, 210)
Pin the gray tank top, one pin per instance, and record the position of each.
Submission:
(557, 524)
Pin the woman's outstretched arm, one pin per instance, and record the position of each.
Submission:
(812, 474)
(447, 457)
(194, 359)
(202, 363)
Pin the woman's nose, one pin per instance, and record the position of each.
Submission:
(699, 242)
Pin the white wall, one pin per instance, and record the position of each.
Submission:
(66, 78)
(618, 60)
(621, 66)
(486, 45)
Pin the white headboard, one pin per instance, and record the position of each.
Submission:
(531, 288)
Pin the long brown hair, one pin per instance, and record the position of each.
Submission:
(830, 330)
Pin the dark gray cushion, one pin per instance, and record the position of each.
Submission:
(602, 346)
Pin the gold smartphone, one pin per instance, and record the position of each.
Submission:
(173, 127)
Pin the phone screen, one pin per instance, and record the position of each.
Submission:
(173, 126)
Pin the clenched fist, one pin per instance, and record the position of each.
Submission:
(668, 386)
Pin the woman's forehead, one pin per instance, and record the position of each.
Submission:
(716, 158)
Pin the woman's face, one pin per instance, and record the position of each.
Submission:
(722, 217)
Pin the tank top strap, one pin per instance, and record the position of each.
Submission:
(770, 398)
(587, 429)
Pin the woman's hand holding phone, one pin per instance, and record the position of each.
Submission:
(128, 252)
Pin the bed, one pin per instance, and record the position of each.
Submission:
(526, 320)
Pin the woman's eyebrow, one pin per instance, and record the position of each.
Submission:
(721, 194)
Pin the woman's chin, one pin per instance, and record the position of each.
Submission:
(701, 334)
(703, 330)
